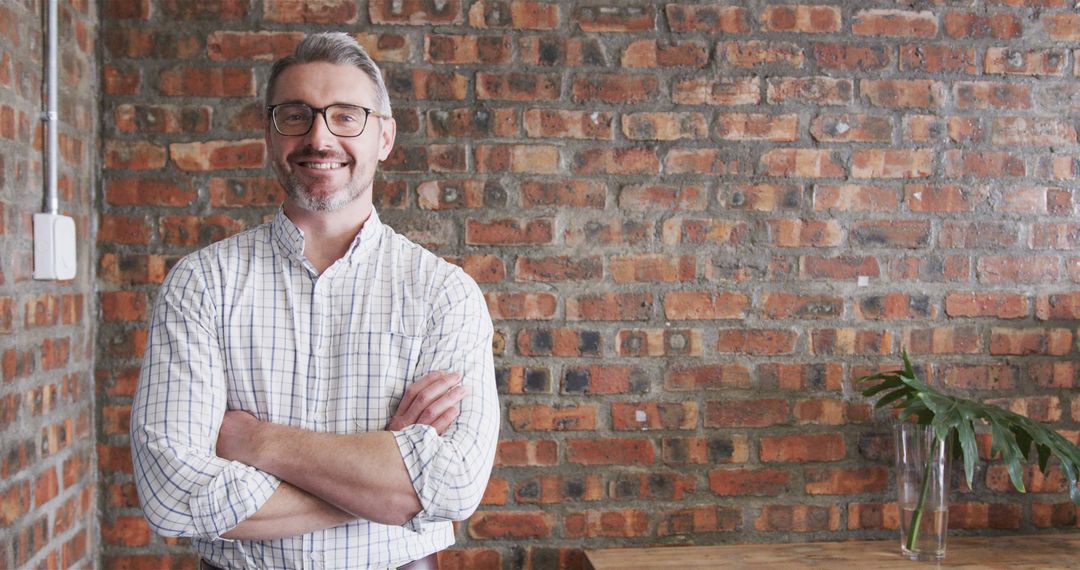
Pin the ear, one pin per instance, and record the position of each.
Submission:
(387, 134)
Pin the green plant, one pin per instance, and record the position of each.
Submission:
(1012, 435)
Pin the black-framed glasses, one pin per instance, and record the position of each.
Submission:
(296, 119)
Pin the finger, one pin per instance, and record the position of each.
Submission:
(431, 392)
(450, 399)
(420, 386)
(446, 419)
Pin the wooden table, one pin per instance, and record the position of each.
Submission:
(972, 552)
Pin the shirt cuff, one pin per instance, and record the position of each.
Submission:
(419, 444)
(230, 498)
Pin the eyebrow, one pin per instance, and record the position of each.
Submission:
(302, 102)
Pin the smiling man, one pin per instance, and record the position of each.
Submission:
(317, 392)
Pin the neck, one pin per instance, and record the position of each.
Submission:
(327, 235)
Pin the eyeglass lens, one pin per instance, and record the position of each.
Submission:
(342, 120)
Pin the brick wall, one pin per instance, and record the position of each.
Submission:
(694, 223)
(47, 473)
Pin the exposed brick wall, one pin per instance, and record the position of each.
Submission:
(694, 223)
(48, 512)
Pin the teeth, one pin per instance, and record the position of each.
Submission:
(323, 165)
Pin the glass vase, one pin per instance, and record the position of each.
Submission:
(922, 486)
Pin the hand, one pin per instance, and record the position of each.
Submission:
(236, 440)
(434, 400)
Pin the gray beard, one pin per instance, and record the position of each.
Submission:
(302, 197)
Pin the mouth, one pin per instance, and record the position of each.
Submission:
(322, 165)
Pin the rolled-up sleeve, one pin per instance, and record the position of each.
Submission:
(184, 488)
(450, 472)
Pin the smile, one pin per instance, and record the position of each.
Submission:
(323, 165)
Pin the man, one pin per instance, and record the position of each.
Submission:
(317, 392)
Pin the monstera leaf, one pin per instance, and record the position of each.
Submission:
(1012, 435)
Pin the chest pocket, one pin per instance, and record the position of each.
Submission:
(376, 367)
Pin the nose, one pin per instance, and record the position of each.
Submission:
(320, 136)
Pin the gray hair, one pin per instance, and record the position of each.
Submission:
(338, 48)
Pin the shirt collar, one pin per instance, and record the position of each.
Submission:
(290, 238)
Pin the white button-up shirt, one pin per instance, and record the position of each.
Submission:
(249, 324)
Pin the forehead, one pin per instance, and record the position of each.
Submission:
(320, 84)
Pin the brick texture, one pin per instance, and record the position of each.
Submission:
(694, 224)
(48, 475)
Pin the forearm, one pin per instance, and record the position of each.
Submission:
(360, 474)
(289, 512)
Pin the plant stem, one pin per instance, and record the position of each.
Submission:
(916, 517)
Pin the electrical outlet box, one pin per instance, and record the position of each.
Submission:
(54, 246)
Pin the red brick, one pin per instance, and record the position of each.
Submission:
(705, 18)
(894, 23)
(801, 18)
(224, 10)
(258, 46)
(700, 451)
(749, 482)
(852, 58)
(903, 93)
(1007, 269)
(931, 58)
(686, 305)
(508, 524)
(979, 95)
(654, 415)
(754, 53)
(652, 485)
(1053, 515)
(664, 126)
(452, 194)
(1013, 61)
(191, 231)
(549, 51)
(557, 489)
(854, 198)
(608, 160)
(667, 198)
(116, 228)
(659, 342)
(754, 126)
(518, 158)
(479, 122)
(127, 9)
(412, 12)
(851, 128)
(805, 233)
(149, 192)
(548, 418)
(614, 18)
(971, 25)
(723, 91)
(604, 380)
(14, 502)
(894, 234)
(767, 342)
(802, 163)
(998, 305)
(834, 481)
(707, 377)
(569, 193)
(1050, 342)
(516, 306)
(746, 413)
(984, 515)
(610, 307)
(978, 377)
(978, 235)
(594, 524)
(609, 451)
(151, 43)
(522, 380)
(703, 231)
(230, 192)
(621, 232)
(521, 15)
(1062, 27)
(1035, 481)
(558, 123)
(653, 53)
(943, 340)
(559, 342)
(531, 452)
(126, 532)
(1028, 132)
(623, 89)
(558, 268)
(699, 520)
(207, 82)
(518, 86)
(985, 164)
(798, 518)
(801, 448)
(133, 155)
(508, 231)
(218, 155)
(423, 84)
(123, 305)
(812, 90)
(652, 268)
(466, 49)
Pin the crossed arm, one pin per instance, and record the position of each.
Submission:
(331, 479)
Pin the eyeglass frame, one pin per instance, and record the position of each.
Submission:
(368, 113)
